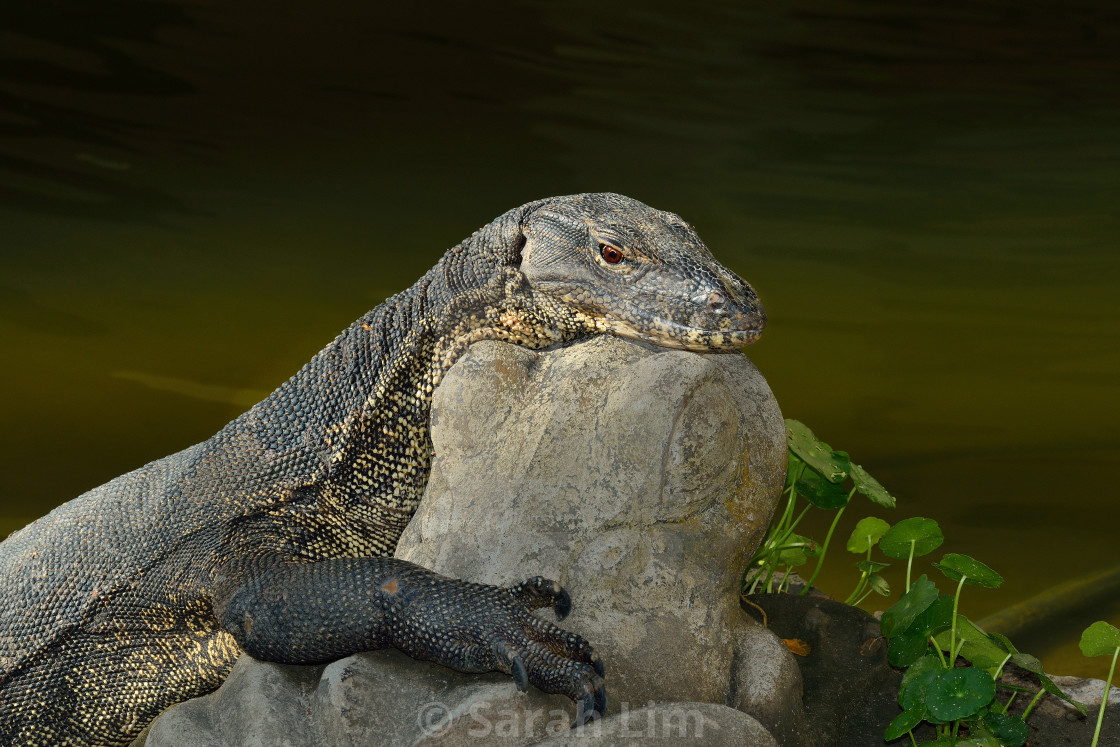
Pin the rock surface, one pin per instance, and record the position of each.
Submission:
(641, 479)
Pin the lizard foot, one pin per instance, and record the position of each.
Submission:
(479, 628)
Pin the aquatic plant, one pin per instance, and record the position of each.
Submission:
(1101, 639)
(819, 475)
(951, 667)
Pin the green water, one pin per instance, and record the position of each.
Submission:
(196, 197)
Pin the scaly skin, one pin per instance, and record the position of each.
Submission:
(275, 535)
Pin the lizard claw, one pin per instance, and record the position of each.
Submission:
(600, 670)
(591, 707)
(539, 592)
(563, 604)
(516, 665)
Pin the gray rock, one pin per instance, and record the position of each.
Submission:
(699, 724)
(640, 478)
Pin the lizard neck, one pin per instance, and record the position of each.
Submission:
(381, 453)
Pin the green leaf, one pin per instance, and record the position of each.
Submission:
(914, 641)
(822, 493)
(973, 571)
(1028, 662)
(929, 663)
(906, 648)
(905, 722)
(916, 680)
(866, 534)
(936, 617)
(956, 694)
(871, 566)
(977, 647)
(1011, 731)
(797, 550)
(793, 557)
(818, 455)
(879, 585)
(924, 534)
(902, 613)
(1034, 666)
(870, 487)
(1100, 639)
(1005, 643)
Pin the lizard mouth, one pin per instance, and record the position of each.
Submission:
(698, 340)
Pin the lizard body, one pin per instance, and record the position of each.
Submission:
(275, 535)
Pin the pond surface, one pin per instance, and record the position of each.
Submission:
(195, 197)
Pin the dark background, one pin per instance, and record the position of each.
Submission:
(197, 196)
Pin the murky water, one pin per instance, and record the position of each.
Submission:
(196, 196)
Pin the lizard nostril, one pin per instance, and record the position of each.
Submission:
(716, 301)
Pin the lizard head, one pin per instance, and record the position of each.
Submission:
(622, 267)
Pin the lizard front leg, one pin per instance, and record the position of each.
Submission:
(310, 613)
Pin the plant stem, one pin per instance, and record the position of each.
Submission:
(787, 512)
(800, 516)
(857, 590)
(824, 547)
(861, 583)
(999, 671)
(953, 630)
(770, 576)
(1104, 699)
(939, 653)
(1030, 706)
(784, 585)
(909, 563)
(792, 498)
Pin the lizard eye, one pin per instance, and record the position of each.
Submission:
(612, 254)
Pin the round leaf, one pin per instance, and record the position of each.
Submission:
(973, 571)
(1011, 731)
(871, 488)
(975, 644)
(796, 550)
(866, 534)
(914, 641)
(1100, 639)
(924, 535)
(930, 663)
(793, 556)
(937, 617)
(871, 566)
(906, 648)
(917, 680)
(820, 492)
(818, 455)
(905, 722)
(959, 693)
(902, 613)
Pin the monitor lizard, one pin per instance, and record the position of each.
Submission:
(275, 536)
